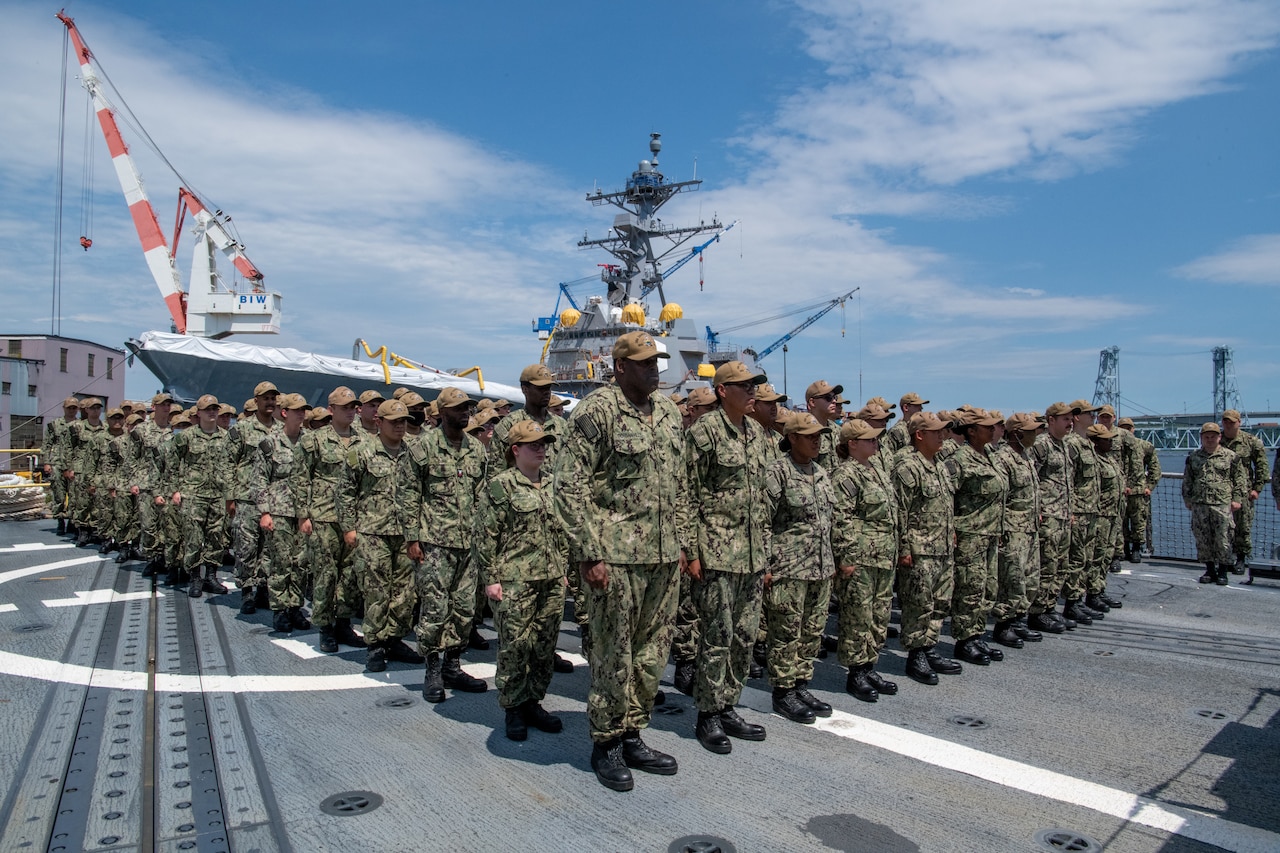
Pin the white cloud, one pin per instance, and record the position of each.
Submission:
(1250, 260)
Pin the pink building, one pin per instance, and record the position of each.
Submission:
(38, 372)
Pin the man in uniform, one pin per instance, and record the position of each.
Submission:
(452, 467)
(1053, 472)
(1253, 459)
(823, 401)
(83, 436)
(622, 495)
(729, 457)
(370, 400)
(701, 401)
(248, 538)
(1084, 515)
(199, 490)
(1018, 560)
(275, 477)
(380, 512)
(1110, 499)
(322, 473)
(53, 455)
(899, 436)
(152, 502)
(110, 449)
(1214, 488)
(1142, 474)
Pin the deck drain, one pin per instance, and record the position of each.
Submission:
(1065, 839)
(1201, 615)
(1209, 713)
(969, 722)
(1103, 654)
(350, 803)
(30, 629)
(701, 844)
(668, 710)
(397, 702)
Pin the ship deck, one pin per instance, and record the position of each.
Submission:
(139, 719)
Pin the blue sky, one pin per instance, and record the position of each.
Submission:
(1014, 186)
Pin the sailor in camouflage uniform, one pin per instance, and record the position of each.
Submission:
(380, 512)
(865, 541)
(275, 484)
(151, 436)
(453, 471)
(367, 425)
(622, 496)
(321, 463)
(1253, 459)
(83, 435)
(1018, 559)
(823, 400)
(1084, 515)
(1053, 471)
(801, 508)
(1214, 487)
(197, 478)
(520, 552)
(248, 539)
(53, 456)
(1142, 474)
(1110, 498)
(898, 437)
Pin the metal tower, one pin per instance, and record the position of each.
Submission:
(1225, 393)
(1107, 389)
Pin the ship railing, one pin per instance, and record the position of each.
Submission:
(1171, 525)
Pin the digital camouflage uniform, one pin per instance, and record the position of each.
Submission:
(1018, 561)
(53, 452)
(826, 458)
(519, 543)
(81, 447)
(248, 540)
(1210, 482)
(894, 439)
(383, 504)
(198, 471)
(171, 517)
(150, 439)
(728, 466)
(114, 475)
(1253, 460)
(865, 535)
(446, 578)
(1084, 515)
(801, 507)
(980, 490)
(622, 495)
(926, 531)
(320, 467)
(1053, 470)
(274, 483)
(1137, 506)
(1110, 499)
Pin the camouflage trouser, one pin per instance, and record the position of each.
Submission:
(282, 559)
(58, 495)
(729, 617)
(631, 623)
(864, 599)
(336, 587)
(149, 541)
(105, 509)
(1137, 515)
(383, 566)
(1096, 577)
(81, 510)
(127, 527)
(201, 531)
(1242, 539)
(1212, 528)
(173, 534)
(1055, 543)
(574, 578)
(1084, 544)
(924, 592)
(795, 612)
(685, 645)
(446, 581)
(975, 586)
(528, 622)
(1018, 574)
(248, 543)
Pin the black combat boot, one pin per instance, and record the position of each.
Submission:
(399, 650)
(107, 545)
(211, 584)
(346, 635)
(918, 668)
(710, 734)
(734, 726)
(820, 708)
(860, 687)
(754, 670)
(941, 665)
(610, 767)
(883, 686)
(788, 704)
(1240, 566)
(1024, 632)
(1248, 581)
(475, 641)
(328, 642)
(280, 621)
(1221, 577)
(1210, 573)
(433, 682)
(154, 567)
(638, 755)
(564, 666)
(195, 584)
(515, 725)
(538, 717)
(1005, 634)
(994, 654)
(455, 678)
(1045, 622)
(1113, 603)
(686, 670)
(298, 618)
(1135, 553)
(83, 538)
(968, 651)
(248, 601)
(1095, 601)
(262, 595)
(1076, 612)
(377, 658)
(760, 652)
(62, 527)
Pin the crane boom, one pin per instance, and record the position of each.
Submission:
(154, 247)
(839, 300)
(693, 253)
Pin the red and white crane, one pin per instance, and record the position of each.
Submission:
(207, 308)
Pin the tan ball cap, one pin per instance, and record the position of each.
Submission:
(977, 417)
(90, 402)
(1025, 421)
(392, 410)
(701, 397)
(882, 403)
(736, 371)
(1084, 407)
(871, 412)
(293, 401)
(556, 402)
(116, 412)
(341, 396)
(1060, 408)
(226, 409)
(1231, 415)
(162, 397)
(528, 432)
(250, 406)
(74, 403)
(180, 419)
(370, 396)
(1125, 422)
(911, 398)
(451, 398)
(822, 388)
(208, 401)
(320, 414)
(1099, 431)
(1106, 410)
(262, 389)
(637, 346)
(855, 429)
(1210, 427)
(803, 423)
(537, 374)
(927, 421)
(135, 418)
(411, 399)
(766, 393)
(399, 393)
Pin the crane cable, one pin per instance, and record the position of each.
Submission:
(86, 177)
(55, 295)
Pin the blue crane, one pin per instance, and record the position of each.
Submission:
(713, 338)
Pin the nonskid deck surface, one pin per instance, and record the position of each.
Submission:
(1156, 729)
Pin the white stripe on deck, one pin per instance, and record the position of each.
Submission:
(15, 574)
(39, 546)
